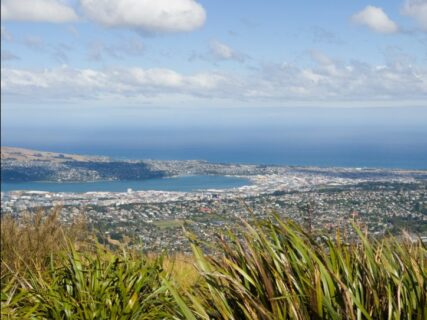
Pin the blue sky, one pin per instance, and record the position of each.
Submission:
(190, 72)
(237, 53)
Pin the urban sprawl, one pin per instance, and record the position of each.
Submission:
(327, 199)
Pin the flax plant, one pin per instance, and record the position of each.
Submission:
(276, 270)
(101, 285)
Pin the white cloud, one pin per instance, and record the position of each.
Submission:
(376, 19)
(70, 83)
(417, 9)
(221, 51)
(146, 15)
(327, 81)
(37, 11)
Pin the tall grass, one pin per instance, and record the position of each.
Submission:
(278, 271)
(269, 269)
(30, 242)
(101, 285)
(53, 271)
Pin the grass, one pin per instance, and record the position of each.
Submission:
(182, 270)
(272, 269)
(278, 271)
(32, 242)
(92, 286)
(167, 224)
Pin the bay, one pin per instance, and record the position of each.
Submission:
(181, 183)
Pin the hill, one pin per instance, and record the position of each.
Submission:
(21, 154)
(23, 165)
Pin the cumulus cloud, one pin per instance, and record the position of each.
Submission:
(327, 80)
(417, 9)
(37, 11)
(146, 15)
(376, 19)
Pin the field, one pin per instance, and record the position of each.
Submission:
(172, 223)
(269, 269)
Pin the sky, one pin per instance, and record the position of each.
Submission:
(79, 66)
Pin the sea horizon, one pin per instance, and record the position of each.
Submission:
(339, 157)
(326, 137)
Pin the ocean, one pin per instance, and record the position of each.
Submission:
(327, 137)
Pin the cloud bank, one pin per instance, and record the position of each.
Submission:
(327, 81)
(69, 83)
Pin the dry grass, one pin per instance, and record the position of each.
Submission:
(183, 270)
(31, 242)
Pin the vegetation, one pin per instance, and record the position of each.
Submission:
(23, 174)
(278, 271)
(91, 286)
(171, 223)
(267, 270)
(30, 243)
(120, 170)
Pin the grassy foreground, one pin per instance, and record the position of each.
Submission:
(271, 270)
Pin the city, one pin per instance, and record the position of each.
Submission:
(325, 199)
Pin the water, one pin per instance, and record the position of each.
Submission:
(187, 183)
(345, 137)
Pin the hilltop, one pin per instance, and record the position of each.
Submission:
(22, 154)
